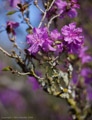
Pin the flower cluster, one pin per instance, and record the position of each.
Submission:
(40, 40)
(73, 37)
(65, 8)
(70, 38)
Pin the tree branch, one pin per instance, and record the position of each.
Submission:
(36, 4)
(6, 53)
(46, 13)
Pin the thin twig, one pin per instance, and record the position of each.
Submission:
(22, 74)
(49, 23)
(12, 56)
(46, 13)
(42, 19)
(51, 5)
(36, 4)
(27, 21)
(6, 53)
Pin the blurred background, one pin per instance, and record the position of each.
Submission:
(22, 96)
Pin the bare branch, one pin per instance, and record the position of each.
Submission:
(16, 57)
(5, 52)
(51, 5)
(27, 21)
(42, 19)
(49, 23)
(36, 4)
(22, 74)
(46, 13)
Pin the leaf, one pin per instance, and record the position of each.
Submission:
(11, 12)
(72, 56)
(6, 68)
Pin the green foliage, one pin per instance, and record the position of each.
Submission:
(11, 12)
(6, 68)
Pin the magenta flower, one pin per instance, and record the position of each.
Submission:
(69, 8)
(64, 8)
(61, 5)
(59, 49)
(74, 3)
(85, 58)
(74, 77)
(55, 35)
(72, 12)
(14, 99)
(39, 40)
(35, 85)
(11, 26)
(87, 74)
(13, 3)
(89, 95)
(73, 37)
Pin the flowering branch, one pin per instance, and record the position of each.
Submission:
(62, 54)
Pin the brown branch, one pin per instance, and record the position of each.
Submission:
(6, 53)
(17, 58)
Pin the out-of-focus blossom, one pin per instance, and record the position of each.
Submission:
(72, 12)
(59, 49)
(61, 5)
(64, 8)
(1, 67)
(11, 26)
(51, 12)
(34, 82)
(89, 92)
(14, 99)
(39, 40)
(67, 8)
(73, 37)
(13, 3)
(55, 35)
(87, 74)
(85, 58)
(74, 77)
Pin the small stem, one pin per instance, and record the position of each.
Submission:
(27, 21)
(46, 13)
(50, 22)
(22, 74)
(36, 4)
(6, 53)
(42, 19)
